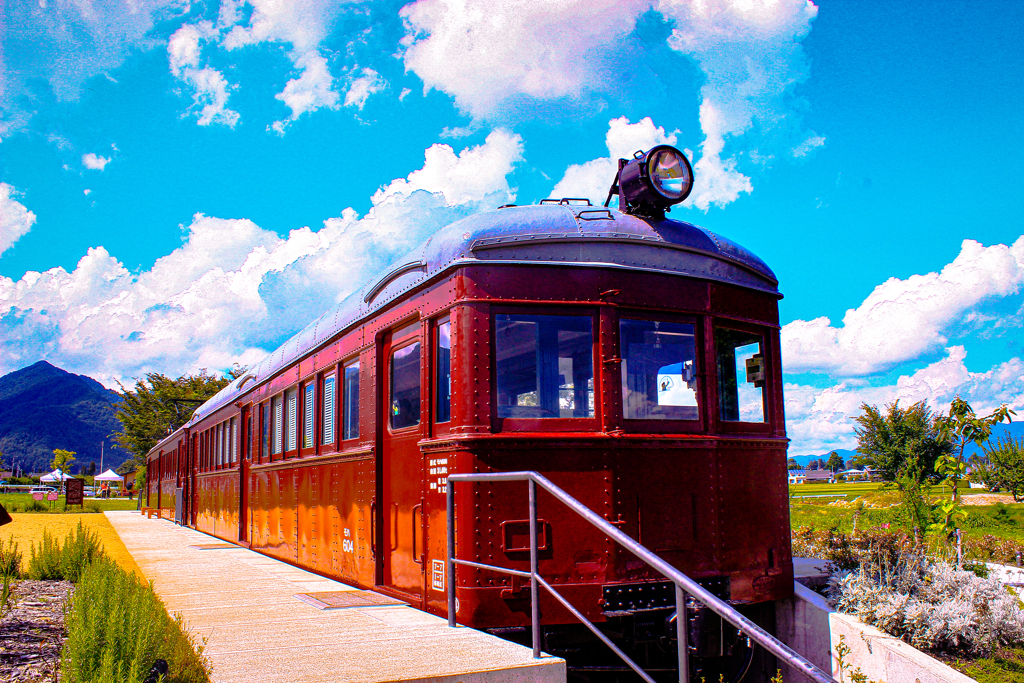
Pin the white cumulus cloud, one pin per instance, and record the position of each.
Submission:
(210, 89)
(592, 179)
(312, 90)
(494, 58)
(473, 175)
(902, 319)
(15, 219)
(819, 420)
(95, 162)
(368, 83)
(234, 290)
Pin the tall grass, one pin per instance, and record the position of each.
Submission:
(52, 561)
(10, 559)
(117, 628)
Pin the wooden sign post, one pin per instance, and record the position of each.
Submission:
(75, 492)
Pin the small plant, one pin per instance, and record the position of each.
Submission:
(10, 559)
(933, 606)
(52, 561)
(117, 628)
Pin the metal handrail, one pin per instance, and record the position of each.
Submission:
(683, 584)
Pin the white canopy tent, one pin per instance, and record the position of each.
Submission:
(109, 475)
(56, 475)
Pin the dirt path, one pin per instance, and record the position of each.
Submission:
(32, 634)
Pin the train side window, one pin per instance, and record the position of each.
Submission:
(545, 365)
(275, 425)
(328, 417)
(234, 439)
(350, 418)
(291, 409)
(444, 372)
(659, 370)
(741, 375)
(405, 386)
(265, 432)
(308, 407)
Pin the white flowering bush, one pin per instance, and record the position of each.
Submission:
(931, 605)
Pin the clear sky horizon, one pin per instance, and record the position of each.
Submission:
(185, 185)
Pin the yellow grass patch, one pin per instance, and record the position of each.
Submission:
(28, 527)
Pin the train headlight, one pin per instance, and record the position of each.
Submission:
(651, 182)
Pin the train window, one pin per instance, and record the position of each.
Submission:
(659, 375)
(275, 425)
(291, 409)
(444, 372)
(545, 365)
(234, 439)
(329, 392)
(350, 419)
(405, 386)
(308, 406)
(741, 375)
(265, 433)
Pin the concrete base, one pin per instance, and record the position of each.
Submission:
(243, 605)
(809, 625)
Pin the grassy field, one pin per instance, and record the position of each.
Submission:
(877, 505)
(28, 528)
(23, 502)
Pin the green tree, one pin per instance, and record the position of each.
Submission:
(792, 464)
(835, 462)
(899, 442)
(62, 460)
(1006, 461)
(957, 429)
(158, 405)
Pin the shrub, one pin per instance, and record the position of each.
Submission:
(933, 606)
(54, 562)
(10, 559)
(117, 628)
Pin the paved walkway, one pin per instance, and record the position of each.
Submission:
(243, 603)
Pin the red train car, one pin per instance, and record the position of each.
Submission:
(632, 359)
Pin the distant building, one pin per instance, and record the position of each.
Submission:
(818, 475)
(797, 476)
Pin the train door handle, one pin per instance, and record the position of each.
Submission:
(373, 527)
(394, 536)
(416, 558)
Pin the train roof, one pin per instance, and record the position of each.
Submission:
(553, 233)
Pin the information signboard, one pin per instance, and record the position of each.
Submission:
(75, 491)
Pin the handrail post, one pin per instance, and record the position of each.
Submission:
(682, 635)
(450, 490)
(534, 604)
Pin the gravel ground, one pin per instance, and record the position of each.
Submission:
(32, 634)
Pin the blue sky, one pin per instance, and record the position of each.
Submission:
(185, 185)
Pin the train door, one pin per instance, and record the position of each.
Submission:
(244, 517)
(193, 469)
(401, 463)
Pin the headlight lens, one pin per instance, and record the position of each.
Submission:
(669, 173)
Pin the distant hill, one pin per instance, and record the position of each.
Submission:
(1014, 430)
(43, 407)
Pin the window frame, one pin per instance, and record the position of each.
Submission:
(304, 387)
(322, 445)
(341, 403)
(736, 427)
(633, 426)
(277, 427)
(441, 428)
(293, 392)
(403, 343)
(548, 424)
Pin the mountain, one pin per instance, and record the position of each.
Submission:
(803, 460)
(1014, 430)
(43, 407)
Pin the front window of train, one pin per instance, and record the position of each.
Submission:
(659, 370)
(741, 375)
(545, 365)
